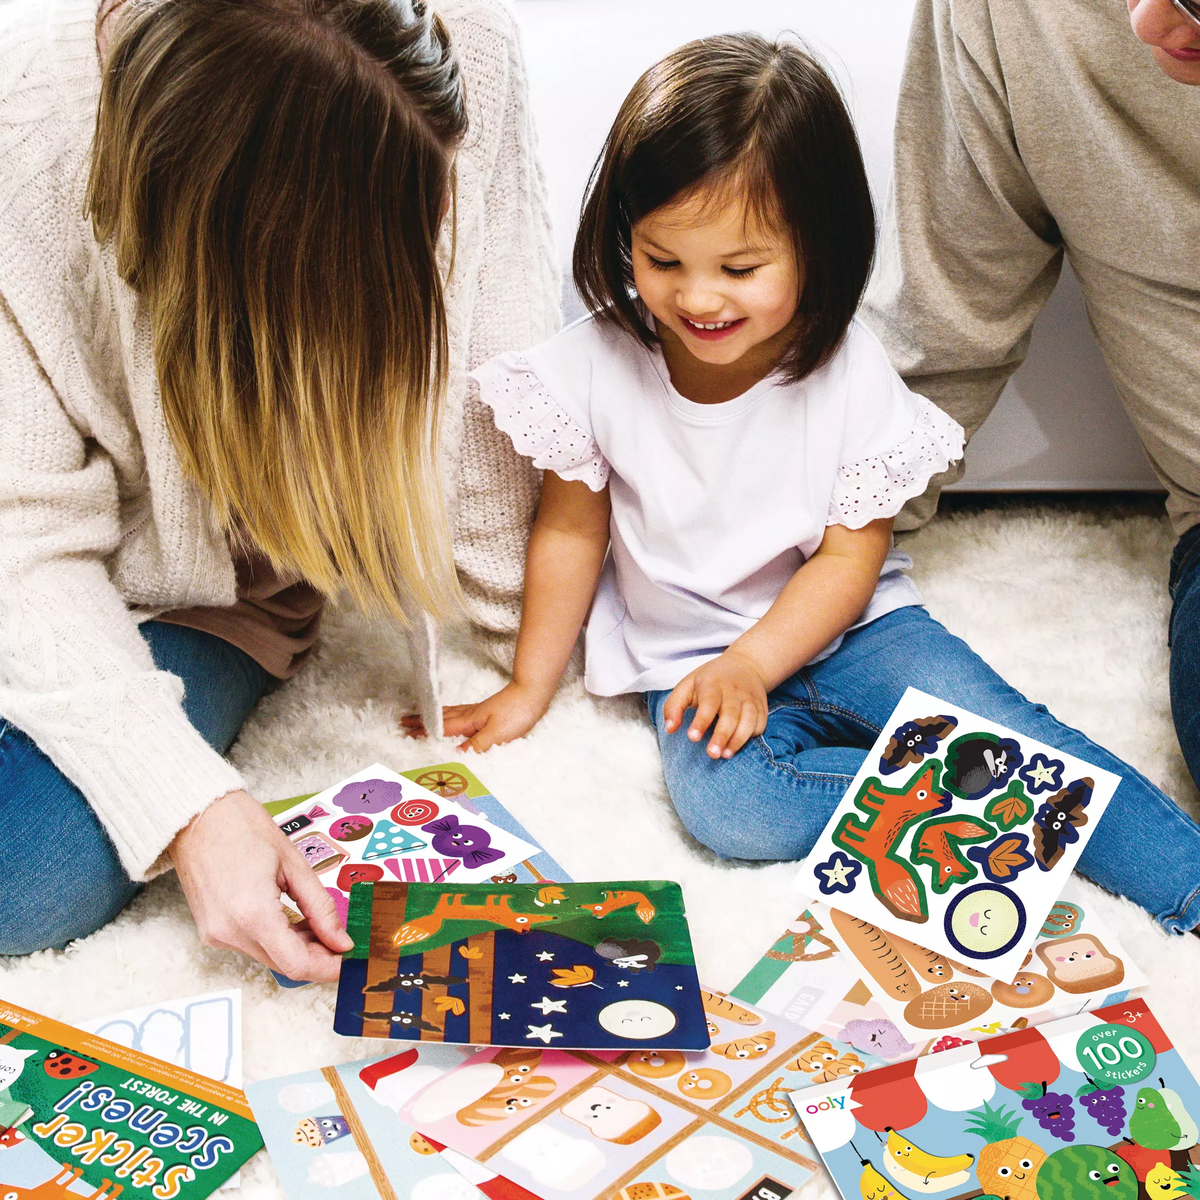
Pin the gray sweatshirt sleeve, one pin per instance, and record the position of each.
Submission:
(968, 252)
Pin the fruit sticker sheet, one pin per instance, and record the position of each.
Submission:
(80, 1115)
(1097, 1106)
(635, 1125)
(957, 834)
(380, 825)
(1076, 963)
(334, 1134)
(583, 965)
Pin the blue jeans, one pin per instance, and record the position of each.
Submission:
(1185, 647)
(772, 798)
(62, 877)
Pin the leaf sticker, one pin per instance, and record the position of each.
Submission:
(1010, 810)
(470, 952)
(576, 976)
(450, 1004)
(1005, 858)
(550, 895)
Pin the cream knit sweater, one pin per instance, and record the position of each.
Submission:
(98, 526)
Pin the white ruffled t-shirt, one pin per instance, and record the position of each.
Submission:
(714, 506)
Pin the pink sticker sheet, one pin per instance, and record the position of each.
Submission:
(957, 834)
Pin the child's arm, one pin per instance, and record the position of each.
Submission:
(822, 600)
(562, 567)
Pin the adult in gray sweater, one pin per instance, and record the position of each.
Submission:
(1030, 129)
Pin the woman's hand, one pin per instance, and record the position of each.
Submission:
(233, 863)
(730, 689)
(509, 714)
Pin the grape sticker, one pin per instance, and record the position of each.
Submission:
(1106, 1106)
(1115, 1054)
(1055, 1111)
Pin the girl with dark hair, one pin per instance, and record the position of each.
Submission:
(725, 447)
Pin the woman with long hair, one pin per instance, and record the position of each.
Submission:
(235, 322)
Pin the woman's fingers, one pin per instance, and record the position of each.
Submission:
(302, 884)
(294, 952)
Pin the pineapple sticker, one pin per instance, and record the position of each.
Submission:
(1008, 1165)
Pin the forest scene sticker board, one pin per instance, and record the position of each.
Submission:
(637, 1125)
(958, 834)
(1097, 1106)
(82, 1116)
(582, 965)
(334, 1134)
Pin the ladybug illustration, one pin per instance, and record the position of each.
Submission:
(61, 1064)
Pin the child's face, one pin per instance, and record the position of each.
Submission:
(722, 283)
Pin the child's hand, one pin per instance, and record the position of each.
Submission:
(511, 713)
(728, 688)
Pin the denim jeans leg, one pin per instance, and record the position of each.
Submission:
(1144, 847)
(63, 879)
(772, 798)
(1185, 647)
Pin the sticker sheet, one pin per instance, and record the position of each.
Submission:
(448, 781)
(1098, 1106)
(957, 834)
(582, 965)
(82, 1115)
(380, 825)
(1076, 964)
(334, 1134)
(636, 1125)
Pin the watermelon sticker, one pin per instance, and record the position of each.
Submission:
(1115, 1054)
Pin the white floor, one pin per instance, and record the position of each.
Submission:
(1071, 608)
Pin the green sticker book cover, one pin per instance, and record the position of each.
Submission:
(593, 966)
(82, 1116)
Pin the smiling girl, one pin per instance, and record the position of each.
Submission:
(725, 447)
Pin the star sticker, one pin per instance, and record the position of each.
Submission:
(545, 956)
(542, 1032)
(517, 978)
(549, 1006)
(1042, 773)
(679, 987)
(622, 983)
(837, 873)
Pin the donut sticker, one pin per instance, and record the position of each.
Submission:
(350, 829)
(414, 812)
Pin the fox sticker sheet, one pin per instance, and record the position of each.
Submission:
(636, 1125)
(958, 834)
(334, 1134)
(1097, 1106)
(589, 965)
(379, 825)
(80, 1115)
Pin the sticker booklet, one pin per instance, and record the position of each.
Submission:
(636, 1125)
(378, 825)
(1098, 1106)
(333, 1134)
(582, 965)
(957, 834)
(80, 1115)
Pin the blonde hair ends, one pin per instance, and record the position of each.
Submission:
(273, 175)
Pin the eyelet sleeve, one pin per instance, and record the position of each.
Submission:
(877, 486)
(540, 429)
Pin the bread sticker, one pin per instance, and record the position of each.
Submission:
(878, 954)
(946, 1005)
(1079, 963)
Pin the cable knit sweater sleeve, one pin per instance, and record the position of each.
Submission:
(75, 673)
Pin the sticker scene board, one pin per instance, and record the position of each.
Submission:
(958, 834)
(1075, 964)
(582, 965)
(334, 1134)
(1098, 1106)
(380, 825)
(636, 1125)
(82, 1115)
(448, 781)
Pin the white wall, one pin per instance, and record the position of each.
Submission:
(584, 55)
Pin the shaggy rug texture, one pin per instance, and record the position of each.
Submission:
(1070, 605)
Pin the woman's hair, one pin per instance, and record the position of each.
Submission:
(739, 116)
(273, 174)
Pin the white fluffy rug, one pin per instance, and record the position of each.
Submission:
(1071, 607)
